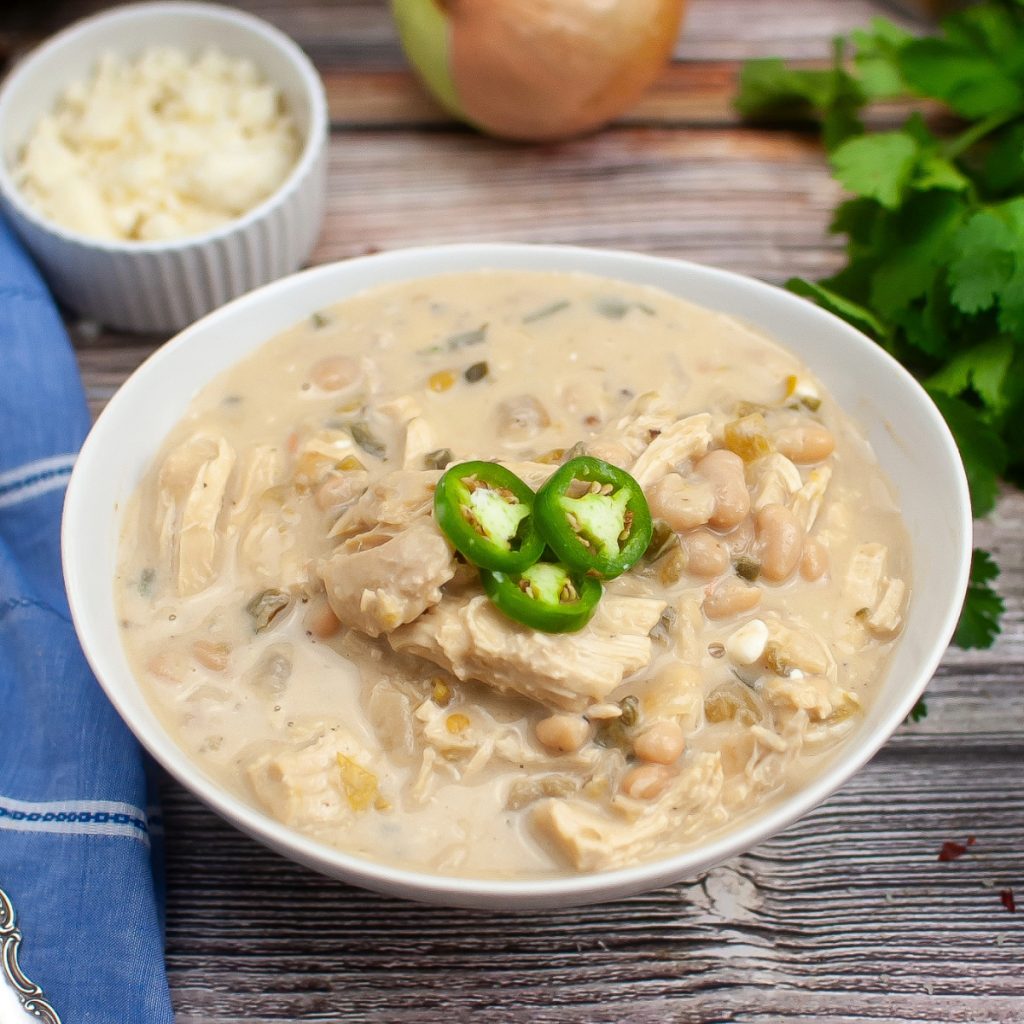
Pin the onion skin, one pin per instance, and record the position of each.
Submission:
(538, 70)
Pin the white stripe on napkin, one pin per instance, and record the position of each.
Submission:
(84, 817)
(34, 478)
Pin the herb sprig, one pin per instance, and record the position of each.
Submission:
(935, 227)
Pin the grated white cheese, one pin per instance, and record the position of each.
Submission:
(163, 146)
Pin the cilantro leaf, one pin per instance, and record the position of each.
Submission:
(1001, 169)
(971, 82)
(979, 620)
(918, 711)
(914, 244)
(984, 369)
(861, 318)
(984, 262)
(877, 166)
(768, 88)
(988, 269)
(876, 59)
(982, 449)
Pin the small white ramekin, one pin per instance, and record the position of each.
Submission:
(163, 286)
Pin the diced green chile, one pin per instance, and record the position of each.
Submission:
(363, 435)
(546, 311)
(748, 568)
(604, 532)
(486, 511)
(663, 538)
(438, 458)
(266, 606)
(547, 596)
(475, 372)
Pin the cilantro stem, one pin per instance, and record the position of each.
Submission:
(961, 143)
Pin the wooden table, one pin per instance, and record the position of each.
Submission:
(847, 916)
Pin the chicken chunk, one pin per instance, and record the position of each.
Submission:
(685, 439)
(886, 618)
(807, 502)
(392, 559)
(192, 484)
(776, 481)
(391, 503)
(469, 637)
(377, 581)
(593, 840)
(321, 783)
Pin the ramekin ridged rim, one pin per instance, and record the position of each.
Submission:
(314, 144)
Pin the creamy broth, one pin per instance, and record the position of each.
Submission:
(301, 626)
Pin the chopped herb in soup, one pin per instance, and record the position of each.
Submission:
(661, 578)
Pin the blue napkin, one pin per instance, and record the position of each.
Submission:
(76, 846)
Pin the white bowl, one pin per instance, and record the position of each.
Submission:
(909, 436)
(162, 286)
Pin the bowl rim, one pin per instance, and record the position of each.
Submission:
(315, 141)
(567, 890)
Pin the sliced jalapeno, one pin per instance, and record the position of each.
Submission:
(604, 531)
(486, 511)
(546, 596)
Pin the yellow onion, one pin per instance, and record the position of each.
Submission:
(537, 69)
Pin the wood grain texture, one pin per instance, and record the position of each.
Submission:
(845, 918)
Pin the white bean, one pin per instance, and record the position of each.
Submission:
(724, 471)
(646, 781)
(731, 597)
(563, 734)
(780, 538)
(336, 373)
(805, 444)
(706, 555)
(814, 560)
(683, 504)
(661, 743)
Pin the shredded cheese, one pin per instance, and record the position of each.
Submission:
(160, 147)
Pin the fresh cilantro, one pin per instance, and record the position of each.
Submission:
(979, 621)
(877, 166)
(982, 449)
(845, 308)
(918, 711)
(935, 229)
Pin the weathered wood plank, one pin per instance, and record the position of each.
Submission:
(361, 34)
(818, 909)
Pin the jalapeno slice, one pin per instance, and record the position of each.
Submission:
(486, 511)
(547, 596)
(604, 531)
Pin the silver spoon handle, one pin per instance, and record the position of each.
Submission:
(16, 991)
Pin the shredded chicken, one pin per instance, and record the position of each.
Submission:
(419, 441)
(192, 484)
(258, 470)
(309, 785)
(376, 582)
(777, 479)
(392, 560)
(592, 840)
(469, 637)
(886, 618)
(807, 502)
(685, 439)
(391, 502)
